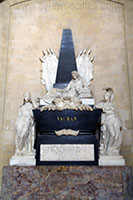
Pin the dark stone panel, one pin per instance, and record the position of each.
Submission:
(67, 61)
(67, 119)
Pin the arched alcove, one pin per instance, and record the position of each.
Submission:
(30, 26)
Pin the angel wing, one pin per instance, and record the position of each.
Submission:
(85, 66)
(48, 68)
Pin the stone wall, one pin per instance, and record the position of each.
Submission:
(4, 31)
(128, 141)
(27, 27)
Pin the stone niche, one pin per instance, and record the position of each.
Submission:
(36, 25)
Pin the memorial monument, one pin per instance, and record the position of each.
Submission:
(67, 121)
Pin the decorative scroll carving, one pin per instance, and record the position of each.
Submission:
(61, 103)
(67, 132)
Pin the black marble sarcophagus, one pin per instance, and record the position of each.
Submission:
(84, 121)
(87, 122)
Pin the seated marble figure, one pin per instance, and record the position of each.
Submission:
(77, 88)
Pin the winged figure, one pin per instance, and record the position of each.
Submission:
(50, 65)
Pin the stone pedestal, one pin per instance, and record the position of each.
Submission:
(23, 160)
(56, 183)
(111, 161)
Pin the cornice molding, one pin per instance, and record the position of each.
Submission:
(17, 2)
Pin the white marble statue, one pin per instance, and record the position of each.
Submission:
(50, 65)
(111, 126)
(49, 69)
(24, 127)
(77, 88)
(61, 103)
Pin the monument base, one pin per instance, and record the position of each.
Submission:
(23, 160)
(111, 161)
(67, 182)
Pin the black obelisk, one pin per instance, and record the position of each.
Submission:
(67, 62)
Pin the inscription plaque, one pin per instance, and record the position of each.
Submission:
(67, 152)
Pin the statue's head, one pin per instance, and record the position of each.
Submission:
(75, 75)
(26, 97)
(109, 94)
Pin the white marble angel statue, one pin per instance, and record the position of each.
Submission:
(50, 64)
(111, 126)
(24, 127)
